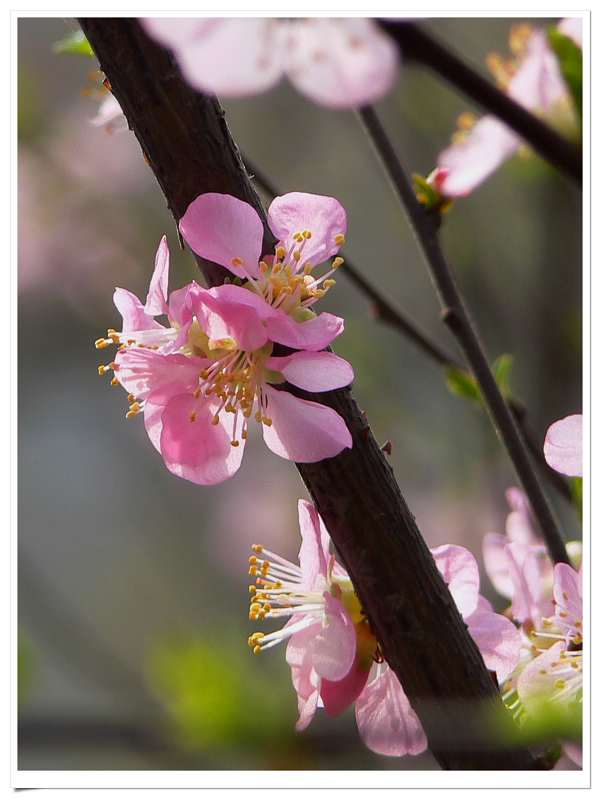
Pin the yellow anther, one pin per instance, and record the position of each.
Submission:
(193, 416)
(258, 416)
(337, 262)
(245, 432)
(306, 234)
(308, 267)
(101, 343)
(235, 444)
(340, 239)
(565, 595)
(237, 261)
(466, 120)
(327, 284)
(102, 370)
(215, 420)
(114, 381)
(263, 266)
(257, 548)
(280, 253)
(296, 255)
(255, 607)
(256, 650)
(252, 560)
(131, 413)
(559, 684)
(266, 421)
(251, 589)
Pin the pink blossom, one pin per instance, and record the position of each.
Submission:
(200, 379)
(339, 63)
(110, 116)
(563, 446)
(556, 674)
(534, 81)
(332, 652)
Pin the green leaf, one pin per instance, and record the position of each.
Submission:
(576, 485)
(570, 62)
(501, 369)
(73, 43)
(461, 383)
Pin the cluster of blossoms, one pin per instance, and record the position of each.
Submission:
(332, 652)
(532, 79)
(338, 63)
(201, 377)
(546, 600)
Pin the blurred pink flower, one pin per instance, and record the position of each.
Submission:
(200, 379)
(563, 446)
(332, 653)
(339, 63)
(535, 83)
(556, 674)
(110, 116)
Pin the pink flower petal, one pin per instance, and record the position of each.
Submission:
(386, 721)
(145, 373)
(538, 84)
(530, 572)
(314, 550)
(313, 371)
(337, 696)
(153, 423)
(179, 310)
(473, 159)
(222, 229)
(224, 317)
(341, 63)
(324, 217)
(198, 450)
(312, 335)
(156, 301)
(303, 431)
(304, 678)
(567, 596)
(133, 312)
(230, 57)
(498, 640)
(573, 28)
(520, 526)
(242, 295)
(495, 562)
(563, 446)
(536, 682)
(334, 646)
(458, 568)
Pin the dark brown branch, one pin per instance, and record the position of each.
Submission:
(398, 320)
(418, 45)
(187, 144)
(454, 314)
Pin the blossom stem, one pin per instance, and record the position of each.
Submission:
(418, 45)
(455, 316)
(398, 320)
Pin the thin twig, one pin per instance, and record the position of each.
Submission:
(454, 314)
(398, 320)
(417, 44)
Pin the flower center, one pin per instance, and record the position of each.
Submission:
(286, 281)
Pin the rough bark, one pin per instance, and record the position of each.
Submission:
(187, 144)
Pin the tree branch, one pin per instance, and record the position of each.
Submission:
(454, 314)
(425, 641)
(390, 315)
(420, 46)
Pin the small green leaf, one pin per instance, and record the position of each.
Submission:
(73, 43)
(502, 368)
(576, 485)
(461, 383)
(570, 62)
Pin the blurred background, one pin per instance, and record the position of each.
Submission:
(133, 583)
